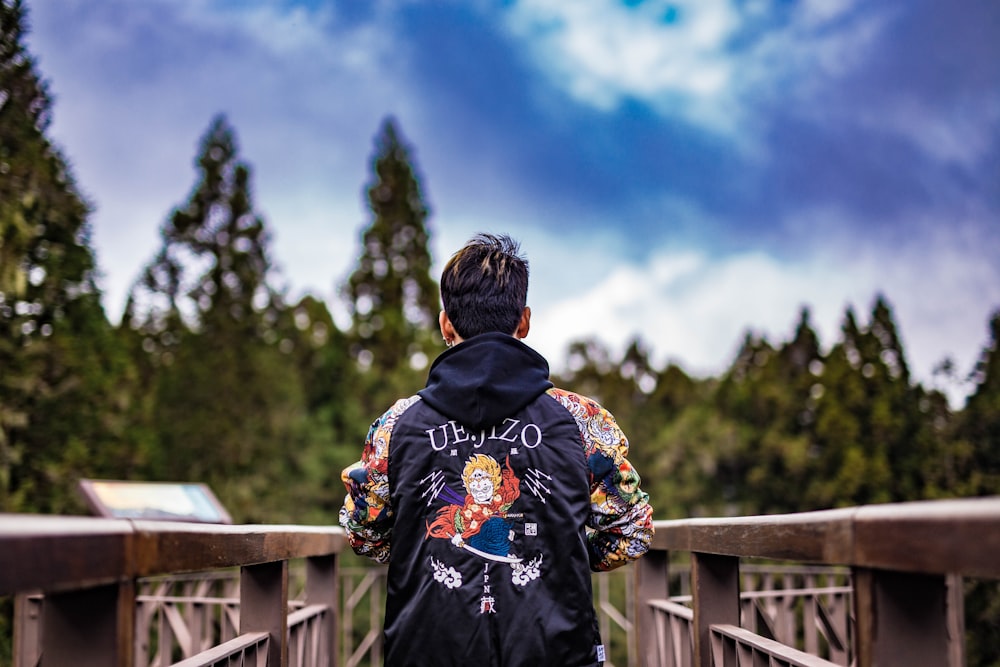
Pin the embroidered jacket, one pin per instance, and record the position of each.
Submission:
(492, 494)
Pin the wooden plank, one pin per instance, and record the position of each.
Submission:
(55, 553)
(163, 547)
(92, 627)
(959, 536)
(951, 536)
(264, 607)
(901, 619)
(811, 537)
(234, 647)
(652, 579)
(780, 654)
(323, 588)
(715, 585)
(27, 630)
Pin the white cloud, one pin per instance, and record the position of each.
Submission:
(690, 65)
(603, 51)
(307, 37)
(283, 31)
(961, 134)
(694, 310)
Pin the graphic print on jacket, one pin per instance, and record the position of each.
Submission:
(482, 522)
(496, 521)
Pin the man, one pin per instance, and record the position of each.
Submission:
(492, 494)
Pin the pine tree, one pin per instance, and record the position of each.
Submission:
(62, 382)
(590, 370)
(391, 294)
(393, 297)
(978, 429)
(228, 405)
(213, 268)
(878, 434)
(767, 393)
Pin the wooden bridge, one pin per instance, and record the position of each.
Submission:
(871, 586)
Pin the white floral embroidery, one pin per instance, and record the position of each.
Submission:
(446, 575)
(522, 573)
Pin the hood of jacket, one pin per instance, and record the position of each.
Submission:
(485, 379)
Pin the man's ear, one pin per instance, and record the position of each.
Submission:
(447, 329)
(525, 324)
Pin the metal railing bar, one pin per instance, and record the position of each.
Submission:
(795, 592)
(307, 613)
(673, 608)
(233, 647)
(788, 655)
(824, 619)
(361, 588)
(363, 647)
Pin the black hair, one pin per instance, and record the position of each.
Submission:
(484, 286)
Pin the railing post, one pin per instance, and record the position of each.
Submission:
(901, 618)
(322, 588)
(264, 606)
(652, 582)
(956, 620)
(27, 629)
(90, 627)
(715, 587)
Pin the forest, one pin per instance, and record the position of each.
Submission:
(214, 375)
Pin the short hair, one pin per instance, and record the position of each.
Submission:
(484, 286)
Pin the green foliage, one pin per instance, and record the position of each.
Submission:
(787, 428)
(61, 398)
(977, 431)
(982, 618)
(227, 405)
(391, 295)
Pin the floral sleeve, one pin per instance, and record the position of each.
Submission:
(621, 518)
(367, 514)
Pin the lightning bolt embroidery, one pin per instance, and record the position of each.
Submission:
(533, 479)
(434, 483)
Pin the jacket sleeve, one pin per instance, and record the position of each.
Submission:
(621, 518)
(367, 514)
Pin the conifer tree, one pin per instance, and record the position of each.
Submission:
(851, 468)
(61, 385)
(590, 370)
(335, 426)
(213, 269)
(227, 403)
(767, 393)
(875, 430)
(978, 430)
(391, 294)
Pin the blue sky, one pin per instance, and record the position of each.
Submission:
(682, 171)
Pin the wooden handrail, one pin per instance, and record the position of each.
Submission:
(87, 568)
(904, 559)
(931, 537)
(901, 557)
(55, 553)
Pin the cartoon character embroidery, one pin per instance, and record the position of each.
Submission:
(480, 524)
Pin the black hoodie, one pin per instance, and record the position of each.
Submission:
(489, 499)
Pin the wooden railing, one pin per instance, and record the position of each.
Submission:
(888, 593)
(905, 563)
(88, 571)
(805, 607)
